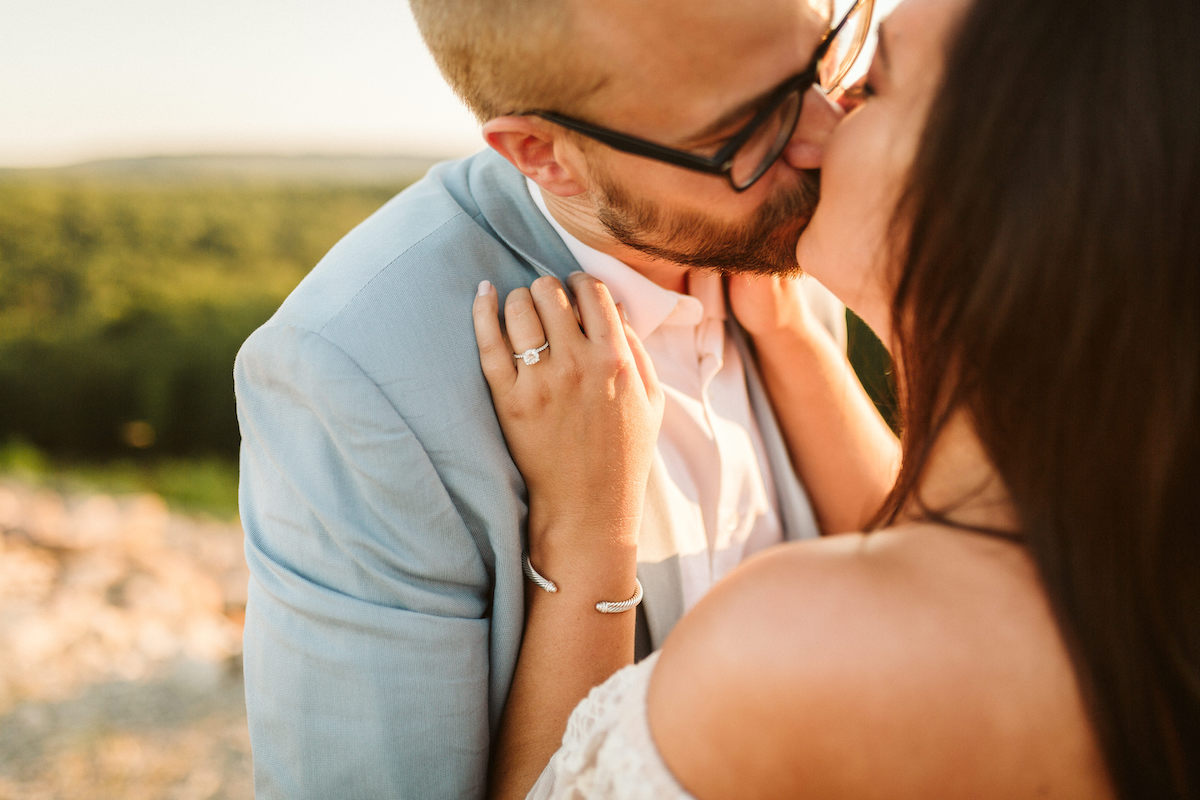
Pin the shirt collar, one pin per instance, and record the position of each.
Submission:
(646, 303)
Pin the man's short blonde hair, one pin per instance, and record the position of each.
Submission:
(506, 56)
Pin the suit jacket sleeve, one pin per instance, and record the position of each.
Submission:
(366, 642)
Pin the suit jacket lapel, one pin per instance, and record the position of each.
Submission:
(795, 509)
(502, 196)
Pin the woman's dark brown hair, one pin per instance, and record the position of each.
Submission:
(1049, 289)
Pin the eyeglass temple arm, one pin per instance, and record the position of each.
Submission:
(627, 144)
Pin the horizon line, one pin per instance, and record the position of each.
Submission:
(350, 151)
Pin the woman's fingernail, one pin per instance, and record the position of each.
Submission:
(485, 287)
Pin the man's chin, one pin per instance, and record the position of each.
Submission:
(765, 245)
(757, 252)
(775, 253)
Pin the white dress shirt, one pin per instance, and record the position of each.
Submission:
(721, 493)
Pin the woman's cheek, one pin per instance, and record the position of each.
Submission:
(844, 243)
(847, 190)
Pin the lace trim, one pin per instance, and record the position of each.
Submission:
(607, 750)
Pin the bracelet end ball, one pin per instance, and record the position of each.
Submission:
(604, 606)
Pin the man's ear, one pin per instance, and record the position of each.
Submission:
(537, 148)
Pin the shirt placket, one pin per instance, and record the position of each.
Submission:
(710, 349)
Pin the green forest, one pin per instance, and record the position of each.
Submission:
(123, 302)
(125, 295)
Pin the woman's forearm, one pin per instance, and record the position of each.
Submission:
(841, 447)
(568, 648)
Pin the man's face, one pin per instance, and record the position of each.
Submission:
(687, 75)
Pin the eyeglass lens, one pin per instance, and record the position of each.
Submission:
(768, 141)
(762, 149)
(845, 48)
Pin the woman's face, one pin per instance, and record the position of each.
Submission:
(867, 156)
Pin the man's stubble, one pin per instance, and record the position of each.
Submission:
(764, 244)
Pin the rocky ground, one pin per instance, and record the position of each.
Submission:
(120, 650)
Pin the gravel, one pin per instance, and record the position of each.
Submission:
(120, 650)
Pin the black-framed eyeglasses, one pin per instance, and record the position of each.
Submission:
(757, 146)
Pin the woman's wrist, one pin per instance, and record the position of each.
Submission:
(597, 554)
(792, 345)
(597, 558)
(591, 525)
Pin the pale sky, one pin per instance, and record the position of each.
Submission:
(81, 79)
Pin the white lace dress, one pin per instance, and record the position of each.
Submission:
(607, 751)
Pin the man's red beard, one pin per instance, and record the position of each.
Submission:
(763, 244)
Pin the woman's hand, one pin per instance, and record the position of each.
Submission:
(582, 421)
(769, 306)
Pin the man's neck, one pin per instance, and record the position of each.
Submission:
(578, 218)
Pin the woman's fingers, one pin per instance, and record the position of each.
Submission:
(542, 317)
(524, 327)
(641, 358)
(558, 317)
(597, 311)
(495, 355)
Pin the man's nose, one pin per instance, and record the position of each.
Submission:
(818, 117)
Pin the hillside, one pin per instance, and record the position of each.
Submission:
(247, 167)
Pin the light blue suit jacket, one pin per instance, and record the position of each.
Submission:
(384, 517)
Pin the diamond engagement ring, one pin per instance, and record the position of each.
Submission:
(532, 355)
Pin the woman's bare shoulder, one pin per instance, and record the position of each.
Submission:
(904, 663)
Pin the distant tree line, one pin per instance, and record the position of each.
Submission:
(123, 303)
